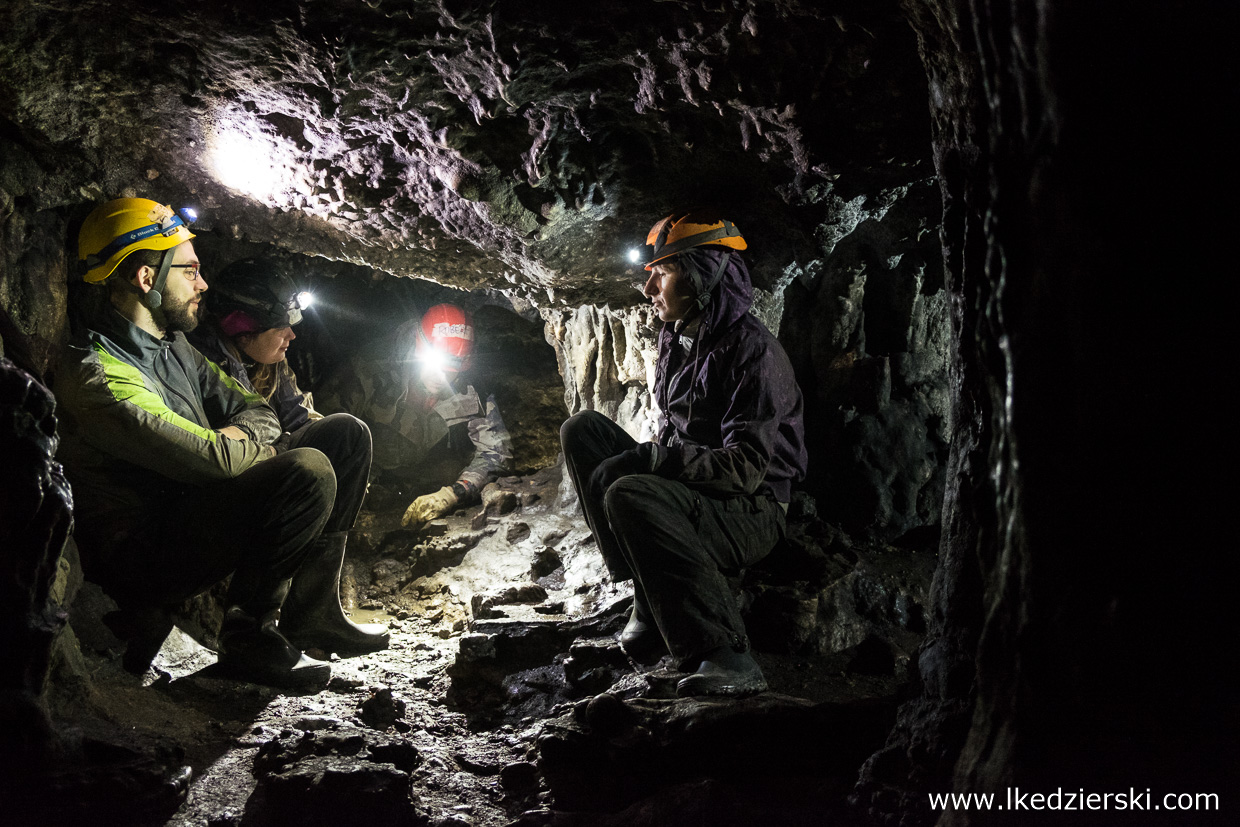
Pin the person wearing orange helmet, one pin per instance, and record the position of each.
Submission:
(177, 480)
(676, 515)
(427, 421)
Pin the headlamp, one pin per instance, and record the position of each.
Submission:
(433, 359)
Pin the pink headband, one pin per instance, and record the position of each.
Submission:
(238, 322)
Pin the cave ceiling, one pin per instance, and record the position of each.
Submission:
(520, 146)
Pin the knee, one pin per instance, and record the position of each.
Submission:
(577, 425)
(310, 470)
(629, 500)
(350, 430)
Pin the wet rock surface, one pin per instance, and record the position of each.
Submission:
(505, 699)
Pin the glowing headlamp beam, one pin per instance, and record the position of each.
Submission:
(434, 360)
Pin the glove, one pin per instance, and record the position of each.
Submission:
(643, 459)
(429, 506)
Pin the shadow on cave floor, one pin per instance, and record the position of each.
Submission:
(504, 698)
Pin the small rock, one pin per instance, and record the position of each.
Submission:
(546, 560)
(314, 723)
(381, 710)
(517, 532)
(497, 502)
(519, 778)
(607, 715)
(340, 683)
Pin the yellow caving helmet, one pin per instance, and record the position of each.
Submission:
(117, 228)
(680, 231)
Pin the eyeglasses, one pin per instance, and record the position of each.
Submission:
(192, 271)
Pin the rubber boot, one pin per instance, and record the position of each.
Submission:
(641, 639)
(144, 631)
(724, 672)
(312, 617)
(252, 649)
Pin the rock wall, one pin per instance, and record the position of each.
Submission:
(607, 360)
(1072, 615)
(36, 517)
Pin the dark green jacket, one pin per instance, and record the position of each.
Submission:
(139, 419)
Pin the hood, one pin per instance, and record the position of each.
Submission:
(730, 299)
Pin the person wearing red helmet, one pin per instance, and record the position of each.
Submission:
(708, 497)
(426, 421)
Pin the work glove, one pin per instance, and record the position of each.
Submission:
(645, 458)
(429, 506)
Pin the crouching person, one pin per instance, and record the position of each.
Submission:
(709, 496)
(247, 330)
(430, 424)
(175, 478)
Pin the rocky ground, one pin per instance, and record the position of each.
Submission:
(503, 699)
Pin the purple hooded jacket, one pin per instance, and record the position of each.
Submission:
(732, 412)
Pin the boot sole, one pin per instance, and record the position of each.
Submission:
(306, 677)
(307, 642)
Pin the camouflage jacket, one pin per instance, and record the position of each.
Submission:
(406, 421)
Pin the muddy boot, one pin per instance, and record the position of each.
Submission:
(252, 649)
(144, 631)
(312, 617)
(641, 639)
(724, 672)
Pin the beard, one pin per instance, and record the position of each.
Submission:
(181, 315)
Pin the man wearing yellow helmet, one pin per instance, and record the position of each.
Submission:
(176, 480)
(707, 498)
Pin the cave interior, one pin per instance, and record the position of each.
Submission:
(991, 238)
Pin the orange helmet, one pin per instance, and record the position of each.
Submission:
(681, 231)
(446, 336)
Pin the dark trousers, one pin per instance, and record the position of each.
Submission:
(258, 526)
(346, 441)
(677, 545)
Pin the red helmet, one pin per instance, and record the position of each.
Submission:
(446, 335)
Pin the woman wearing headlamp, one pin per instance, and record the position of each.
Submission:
(252, 308)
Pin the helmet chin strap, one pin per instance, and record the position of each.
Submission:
(154, 297)
(704, 290)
